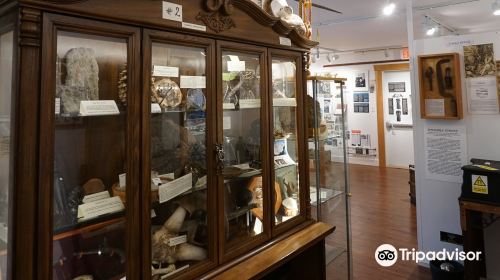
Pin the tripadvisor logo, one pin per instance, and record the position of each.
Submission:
(387, 255)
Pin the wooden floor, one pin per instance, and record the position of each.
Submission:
(381, 212)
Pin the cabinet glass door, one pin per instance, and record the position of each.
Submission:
(181, 207)
(244, 177)
(285, 121)
(6, 61)
(91, 114)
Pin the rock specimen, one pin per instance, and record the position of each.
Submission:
(83, 71)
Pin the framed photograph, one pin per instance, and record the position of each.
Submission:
(361, 81)
(397, 87)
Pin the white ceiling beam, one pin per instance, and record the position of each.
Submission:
(442, 5)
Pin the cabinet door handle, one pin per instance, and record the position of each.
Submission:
(219, 157)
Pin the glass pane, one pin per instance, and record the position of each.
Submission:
(286, 160)
(328, 177)
(178, 158)
(243, 187)
(89, 157)
(6, 58)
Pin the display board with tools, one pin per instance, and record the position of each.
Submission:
(440, 86)
(171, 143)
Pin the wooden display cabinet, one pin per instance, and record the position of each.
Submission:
(440, 86)
(150, 148)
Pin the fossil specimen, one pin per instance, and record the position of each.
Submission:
(83, 71)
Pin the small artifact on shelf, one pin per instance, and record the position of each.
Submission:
(291, 207)
(281, 9)
(255, 187)
(94, 185)
(164, 251)
(196, 99)
(156, 273)
(122, 86)
(166, 93)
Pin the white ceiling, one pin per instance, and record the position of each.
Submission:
(362, 25)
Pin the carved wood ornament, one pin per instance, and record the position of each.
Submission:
(218, 18)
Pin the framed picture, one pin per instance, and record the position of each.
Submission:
(361, 81)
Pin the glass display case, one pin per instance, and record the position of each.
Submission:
(6, 143)
(150, 150)
(329, 189)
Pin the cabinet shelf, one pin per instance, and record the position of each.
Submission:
(88, 226)
(241, 211)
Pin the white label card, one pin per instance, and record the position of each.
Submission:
(201, 182)
(101, 207)
(165, 71)
(226, 122)
(155, 108)
(193, 82)
(284, 102)
(172, 11)
(95, 197)
(285, 41)
(122, 178)
(434, 107)
(236, 66)
(176, 187)
(58, 106)
(177, 240)
(193, 26)
(228, 106)
(249, 103)
(98, 108)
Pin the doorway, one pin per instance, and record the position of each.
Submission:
(398, 119)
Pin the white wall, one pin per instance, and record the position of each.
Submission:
(437, 205)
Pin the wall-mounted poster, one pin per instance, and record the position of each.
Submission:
(361, 102)
(397, 87)
(479, 61)
(481, 71)
(324, 87)
(361, 81)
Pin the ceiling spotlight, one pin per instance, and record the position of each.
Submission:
(335, 57)
(386, 53)
(431, 31)
(496, 8)
(329, 58)
(389, 9)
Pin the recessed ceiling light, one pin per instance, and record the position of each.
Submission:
(389, 9)
(431, 31)
(496, 8)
